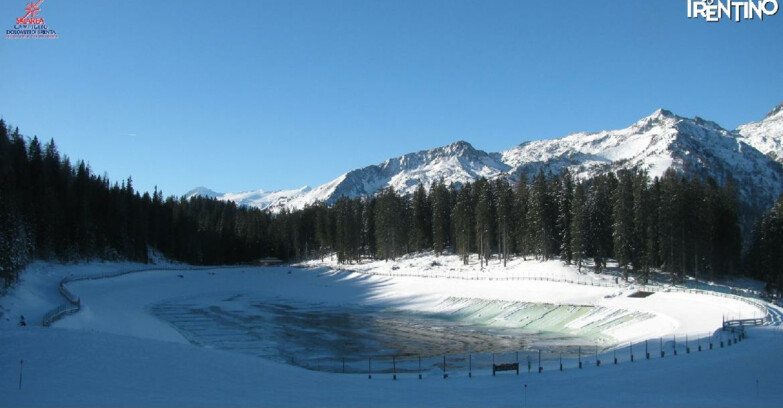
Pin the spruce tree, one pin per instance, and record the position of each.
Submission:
(521, 209)
(463, 222)
(441, 211)
(623, 227)
(504, 199)
(579, 225)
(483, 216)
(421, 222)
(644, 236)
(599, 205)
(564, 213)
(390, 226)
(538, 217)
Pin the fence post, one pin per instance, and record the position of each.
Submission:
(470, 365)
(21, 366)
(663, 353)
(369, 368)
(674, 344)
(580, 357)
(420, 367)
(561, 361)
(540, 368)
(394, 367)
(445, 375)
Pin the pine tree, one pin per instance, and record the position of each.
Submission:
(565, 199)
(579, 225)
(539, 218)
(726, 233)
(441, 216)
(671, 223)
(521, 208)
(623, 226)
(504, 203)
(421, 221)
(765, 259)
(348, 230)
(15, 246)
(389, 225)
(644, 236)
(323, 229)
(463, 222)
(599, 207)
(483, 216)
(369, 244)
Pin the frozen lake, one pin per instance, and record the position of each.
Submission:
(320, 336)
(317, 317)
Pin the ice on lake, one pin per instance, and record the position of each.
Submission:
(330, 337)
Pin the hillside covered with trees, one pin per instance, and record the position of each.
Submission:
(53, 209)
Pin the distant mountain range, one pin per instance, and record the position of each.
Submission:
(752, 154)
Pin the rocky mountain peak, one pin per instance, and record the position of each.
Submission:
(775, 113)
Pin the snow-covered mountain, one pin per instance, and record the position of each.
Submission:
(656, 143)
(766, 136)
(456, 163)
(259, 198)
(202, 192)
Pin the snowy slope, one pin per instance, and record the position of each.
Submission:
(656, 143)
(258, 198)
(116, 353)
(202, 192)
(766, 136)
(644, 145)
(456, 163)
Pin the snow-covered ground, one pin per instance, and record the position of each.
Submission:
(123, 349)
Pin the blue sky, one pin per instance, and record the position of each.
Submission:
(255, 94)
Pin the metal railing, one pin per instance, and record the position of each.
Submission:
(74, 301)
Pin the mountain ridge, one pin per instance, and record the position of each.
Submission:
(654, 143)
(766, 135)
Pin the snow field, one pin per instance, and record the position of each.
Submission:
(77, 368)
(117, 352)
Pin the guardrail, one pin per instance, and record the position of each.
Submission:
(74, 301)
(742, 323)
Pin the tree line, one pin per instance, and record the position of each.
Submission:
(672, 223)
(53, 209)
(764, 259)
